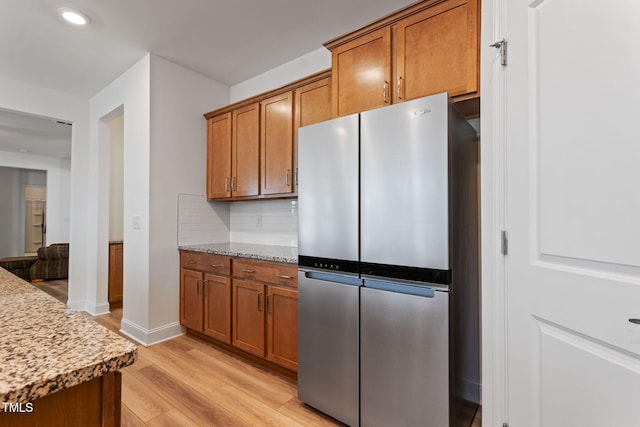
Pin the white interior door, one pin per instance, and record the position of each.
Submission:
(573, 212)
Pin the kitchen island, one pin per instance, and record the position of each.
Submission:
(58, 366)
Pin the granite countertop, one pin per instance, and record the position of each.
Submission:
(45, 348)
(287, 254)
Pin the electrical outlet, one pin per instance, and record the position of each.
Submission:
(137, 222)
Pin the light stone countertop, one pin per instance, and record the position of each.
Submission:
(286, 254)
(44, 348)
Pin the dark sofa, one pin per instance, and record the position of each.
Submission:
(52, 263)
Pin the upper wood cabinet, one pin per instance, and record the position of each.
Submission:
(233, 147)
(251, 145)
(219, 156)
(428, 48)
(245, 151)
(437, 51)
(362, 73)
(276, 144)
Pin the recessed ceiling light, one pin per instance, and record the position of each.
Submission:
(73, 16)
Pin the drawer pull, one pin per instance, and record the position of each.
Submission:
(246, 270)
(192, 261)
(216, 265)
(284, 276)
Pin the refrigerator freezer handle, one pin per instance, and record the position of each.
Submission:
(332, 277)
(401, 288)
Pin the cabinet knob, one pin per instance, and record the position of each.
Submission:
(399, 87)
(384, 91)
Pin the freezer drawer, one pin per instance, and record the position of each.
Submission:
(328, 345)
(404, 358)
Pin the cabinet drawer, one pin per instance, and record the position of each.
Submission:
(280, 274)
(208, 263)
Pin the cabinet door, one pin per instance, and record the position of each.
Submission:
(282, 327)
(312, 105)
(217, 307)
(115, 272)
(219, 157)
(276, 144)
(437, 51)
(361, 72)
(191, 300)
(248, 316)
(245, 152)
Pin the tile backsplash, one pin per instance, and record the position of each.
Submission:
(200, 221)
(267, 222)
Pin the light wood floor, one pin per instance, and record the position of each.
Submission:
(185, 382)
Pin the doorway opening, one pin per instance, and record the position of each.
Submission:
(35, 218)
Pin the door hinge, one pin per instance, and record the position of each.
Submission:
(502, 45)
(504, 242)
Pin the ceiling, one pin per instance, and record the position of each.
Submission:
(34, 135)
(226, 40)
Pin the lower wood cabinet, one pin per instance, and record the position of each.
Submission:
(205, 298)
(248, 316)
(282, 327)
(217, 307)
(255, 310)
(191, 300)
(116, 252)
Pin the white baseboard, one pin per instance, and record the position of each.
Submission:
(149, 337)
(93, 309)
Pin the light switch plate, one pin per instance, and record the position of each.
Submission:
(137, 222)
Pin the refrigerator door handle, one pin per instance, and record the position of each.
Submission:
(401, 288)
(332, 277)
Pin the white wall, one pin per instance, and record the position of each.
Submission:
(179, 98)
(58, 189)
(26, 98)
(311, 63)
(129, 93)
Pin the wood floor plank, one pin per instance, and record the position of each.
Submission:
(129, 419)
(306, 415)
(173, 418)
(247, 380)
(176, 364)
(250, 409)
(147, 403)
(186, 399)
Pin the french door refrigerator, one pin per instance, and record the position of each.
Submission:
(388, 258)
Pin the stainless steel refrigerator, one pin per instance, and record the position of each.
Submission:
(388, 259)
